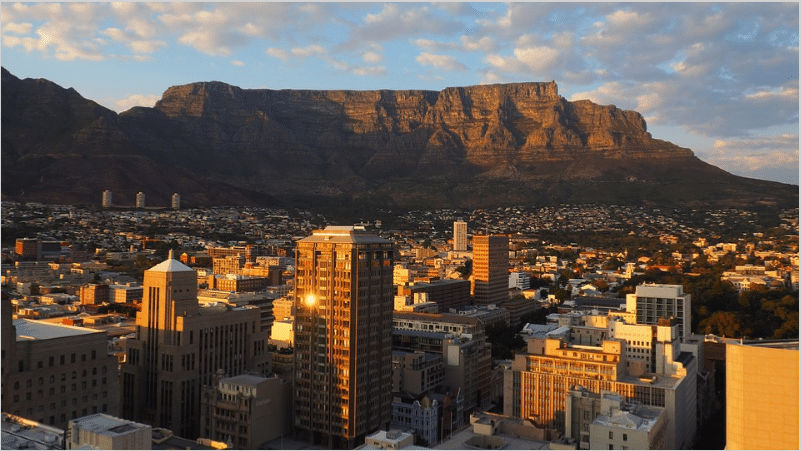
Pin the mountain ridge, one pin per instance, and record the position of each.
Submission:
(483, 146)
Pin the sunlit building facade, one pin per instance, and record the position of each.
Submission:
(491, 269)
(343, 348)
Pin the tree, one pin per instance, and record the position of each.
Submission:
(726, 324)
(35, 289)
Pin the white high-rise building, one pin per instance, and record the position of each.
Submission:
(653, 301)
(176, 201)
(140, 200)
(460, 236)
(106, 199)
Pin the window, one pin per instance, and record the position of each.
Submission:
(625, 437)
(611, 435)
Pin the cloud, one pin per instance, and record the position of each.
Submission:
(444, 62)
(278, 53)
(136, 100)
(18, 28)
(237, 63)
(372, 71)
(372, 57)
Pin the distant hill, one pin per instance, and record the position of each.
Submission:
(473, 147)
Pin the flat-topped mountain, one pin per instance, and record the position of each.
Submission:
(477, 146)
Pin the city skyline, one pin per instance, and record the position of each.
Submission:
(721, 79)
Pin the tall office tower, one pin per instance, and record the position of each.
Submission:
(490, 269)
(176, 201)
(762, 394)
(140, 200)
(106, 199)
(651, 302)
(179, 347)
(460, 236)
(343, 348)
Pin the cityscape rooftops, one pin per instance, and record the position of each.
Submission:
(40, 330)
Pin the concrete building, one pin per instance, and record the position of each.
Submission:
(392, 439)
(447, 294)
(416, 372)
(179, 346)
(627, 426)
(490, 269)
(459, 236)
(462, 344)
(176, 201)
(106, 201)
(140, 200)
(418, 413)
(125, 294)
(343, 332)
(762, 395)
(246, 410)
(52, 373)
(650, 302)
(538, 384)
(519, 280)
(95, 293)
(101, 431)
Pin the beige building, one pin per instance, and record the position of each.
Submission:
(103, 431)
(459, 236)
(343, 332)
(490, 269)
(538, 385)
(246, 410)
(627, 426)
(416, 372)
(762, 395)
(52, 373)
(179, 346)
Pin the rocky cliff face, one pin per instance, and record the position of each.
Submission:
(466, 146)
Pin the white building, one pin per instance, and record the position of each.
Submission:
(106, 199)
(652, 302)
(519, 280)
(176, 201)
(140, 200)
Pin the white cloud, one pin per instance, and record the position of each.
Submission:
(372, 57)
(136, 100)
(278, 53)
(305, 52)
(237, 63)
(18, 28)
(444, 62)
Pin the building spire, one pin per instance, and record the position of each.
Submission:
(171, 255)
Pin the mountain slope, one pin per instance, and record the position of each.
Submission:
(477, 146)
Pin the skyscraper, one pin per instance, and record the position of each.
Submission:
(176, 201)
(490, 269)
(459, 236)
(343, 336)
(179, 346)
(140, 200)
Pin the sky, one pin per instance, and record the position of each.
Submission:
(718, 78)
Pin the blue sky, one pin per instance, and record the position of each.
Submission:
(718, 78)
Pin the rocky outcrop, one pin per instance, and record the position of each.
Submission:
(473, 146)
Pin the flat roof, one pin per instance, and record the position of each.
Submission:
(103, 424)
(245, 379)
(40, 330)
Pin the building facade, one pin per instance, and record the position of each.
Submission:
(106, 200)
(179, 346)
(53, 373)
(343, 351)
(652, 302)
(176, 201)
(490, 269)
(762, 395)
(140, 200)
(459, 236)
(246, 410)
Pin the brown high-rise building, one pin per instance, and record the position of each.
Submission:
(491, 269)
(343, 336)
(180, 346)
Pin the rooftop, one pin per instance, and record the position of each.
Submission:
(40, 330)
(171, 265)
(103, 424)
